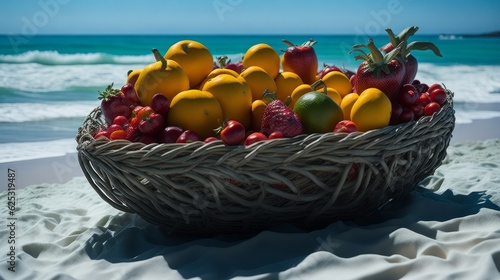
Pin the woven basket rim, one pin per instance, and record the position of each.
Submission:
(84, 136)
(119, 170)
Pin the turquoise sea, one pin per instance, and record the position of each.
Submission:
(48, 84)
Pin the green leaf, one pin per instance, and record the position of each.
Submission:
(362, 57)
(392, 54)
(422, 46)
(108, 92)
(375, 53)
(407, 33)
(392, 37)
(358, 46)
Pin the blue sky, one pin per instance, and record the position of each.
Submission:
(245, 16)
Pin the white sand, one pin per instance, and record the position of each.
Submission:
(55, 169)
(450, 229)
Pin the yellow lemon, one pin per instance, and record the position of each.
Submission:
(338, 81)
(264, 56)
(132, 76)
(258, 107)
(194, 58)
(164, 76)
(217, 72)
(298, 92)
(335, 95)
(372, 110)
(234, 95)
(286, 83)
(195, 110)
(258, 80)
(346, 104)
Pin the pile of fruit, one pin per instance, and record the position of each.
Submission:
(186, 95)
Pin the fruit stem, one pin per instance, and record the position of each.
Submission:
(268, 96)
(159, 57)
(288, 43)
(222, 125)
(222, 61)
(309, 43)
(320, 83)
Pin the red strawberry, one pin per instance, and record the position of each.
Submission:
(411, 64)
(133, 133)
(301, 60)
(114, 103)
(277, 116)
(382, 71)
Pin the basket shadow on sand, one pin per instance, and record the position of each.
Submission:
(307, 181)
(129, 239)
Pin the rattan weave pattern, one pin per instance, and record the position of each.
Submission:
(307, 181)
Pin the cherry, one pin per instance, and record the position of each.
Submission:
(408, 95)
(406, 116)
(130, 93)
(432, 108)
(438, 96)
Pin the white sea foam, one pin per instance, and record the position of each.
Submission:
(32, 150)
(56, 58)
(33, 77)
(23, 112)
(480, 84)
(468, 116)
(471, 84)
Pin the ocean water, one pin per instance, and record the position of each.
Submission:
(48, 84)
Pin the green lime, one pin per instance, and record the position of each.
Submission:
(318, 112)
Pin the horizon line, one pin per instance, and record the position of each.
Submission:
(237, 34)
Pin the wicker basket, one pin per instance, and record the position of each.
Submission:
(308, 181)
